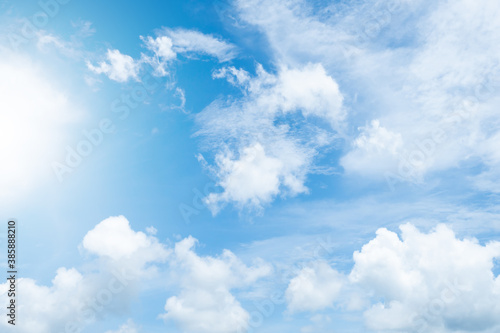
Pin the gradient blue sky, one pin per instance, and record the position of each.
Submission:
(341, 155)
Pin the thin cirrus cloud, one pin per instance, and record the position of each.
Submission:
(429, 70)
(162, 50)
(258, 153)
(449, 89)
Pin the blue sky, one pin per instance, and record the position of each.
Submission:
(252, 166)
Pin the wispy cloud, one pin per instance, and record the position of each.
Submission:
(163, 49)
(265, 141)
(187, 42)
(428, 70)
(117, 66)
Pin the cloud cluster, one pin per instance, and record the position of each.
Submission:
(416, 282)
(125, 262)
(420, 75)
(205, 290)
(161, 51)
(429, 282)
(421, 282)
(265, 141)
(123, 256)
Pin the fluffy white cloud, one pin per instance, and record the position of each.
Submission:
(67, 288)
(308, 90)
(114, 238)
(429, 282)
(255, 177)
(314, 288)
(77, 298)
(205, 303)
(419, 282)
(118, 67)
(258, 154)
(126, 262)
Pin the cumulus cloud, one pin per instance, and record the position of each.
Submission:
(416, 282)
(265, 142)
(114, 238)
(429, 282)
(314, 288)
(205, 294)
(126, 261)
(255, 177)
(87, 295)
(118, 67)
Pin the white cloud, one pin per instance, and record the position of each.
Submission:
(118, 67)
(376, 146)
(418, 282)
(105, 286)
(254, 178)
(67, 288)
(415, 66)
(163, 50)
(205, 290)
(258, 154)
(428, 282)
(314, 288)
(312, 91)
(128, 327)
(163, 53)
(191, 41)
(114, 238)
